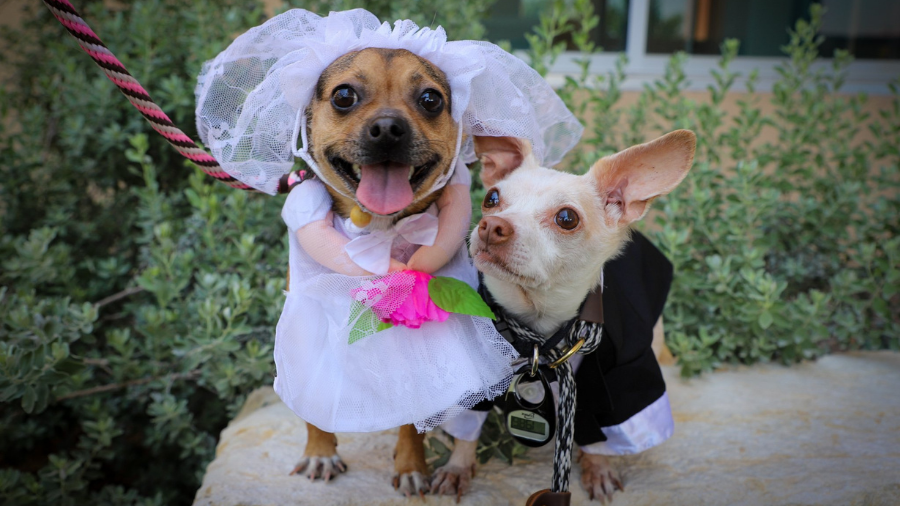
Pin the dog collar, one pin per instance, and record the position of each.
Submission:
(522, 337)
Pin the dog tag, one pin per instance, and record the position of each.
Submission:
(528, 408)
(359, 217)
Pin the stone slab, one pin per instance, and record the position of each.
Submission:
(819, 433)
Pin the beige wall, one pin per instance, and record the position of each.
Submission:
(11, 12)
(873, 106)
(11, 15)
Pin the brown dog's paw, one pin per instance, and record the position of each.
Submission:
(410, 470)
(412, 483)
(599, 478)
(452, 480)
(320, 467)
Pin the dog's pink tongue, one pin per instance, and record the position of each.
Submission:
(384, 188)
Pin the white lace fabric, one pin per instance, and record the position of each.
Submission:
(252, 97)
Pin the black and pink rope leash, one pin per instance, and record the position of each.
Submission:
(66, 14)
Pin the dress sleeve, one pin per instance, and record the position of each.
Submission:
(307, 202)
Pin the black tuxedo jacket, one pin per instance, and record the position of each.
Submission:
(622, 377)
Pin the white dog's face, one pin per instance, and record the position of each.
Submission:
(545, 235)
(540, 225)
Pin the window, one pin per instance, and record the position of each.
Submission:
(867, 28)
(648, 31)
(510, 20)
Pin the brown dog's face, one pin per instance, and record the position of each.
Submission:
(380, 129)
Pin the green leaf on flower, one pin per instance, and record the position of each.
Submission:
(457, 296)
(366, 323)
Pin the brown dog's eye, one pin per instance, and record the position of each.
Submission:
(432, 101)
(344, 97)
(567, 218)
(492, 199)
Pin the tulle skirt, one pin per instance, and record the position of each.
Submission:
(341, 382)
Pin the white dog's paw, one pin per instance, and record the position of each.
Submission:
(320, 467)
(452, 480)
(599, 478)
(412, 483)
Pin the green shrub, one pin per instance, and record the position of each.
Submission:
(138, 298)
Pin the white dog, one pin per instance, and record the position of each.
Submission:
(541, 245)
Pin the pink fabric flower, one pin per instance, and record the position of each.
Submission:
(416, 309)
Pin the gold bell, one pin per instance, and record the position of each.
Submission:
(359, 217)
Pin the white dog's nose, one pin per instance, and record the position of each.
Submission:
(494, 230)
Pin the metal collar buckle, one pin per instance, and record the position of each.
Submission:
(567, 354)
(534, 362)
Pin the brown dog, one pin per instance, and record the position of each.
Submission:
(380, 129)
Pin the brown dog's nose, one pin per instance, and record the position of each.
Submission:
(388, 130)
(494, 230)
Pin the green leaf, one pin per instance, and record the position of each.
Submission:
(765, 319)
(9, 392)
(28, 399)
(366, 322)
(457, 296)
(438, 445)
(881, 306)
(54, 377)
(69, 366)
(42, 397)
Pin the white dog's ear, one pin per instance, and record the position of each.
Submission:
(630, 179)
(499, 156)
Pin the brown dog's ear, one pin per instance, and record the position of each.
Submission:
(630, 179)
(499, 156)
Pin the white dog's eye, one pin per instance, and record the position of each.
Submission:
(567, 218)
(492, 199)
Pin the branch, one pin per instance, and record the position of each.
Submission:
(121, 295)
(117, 386)
(99, 362)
